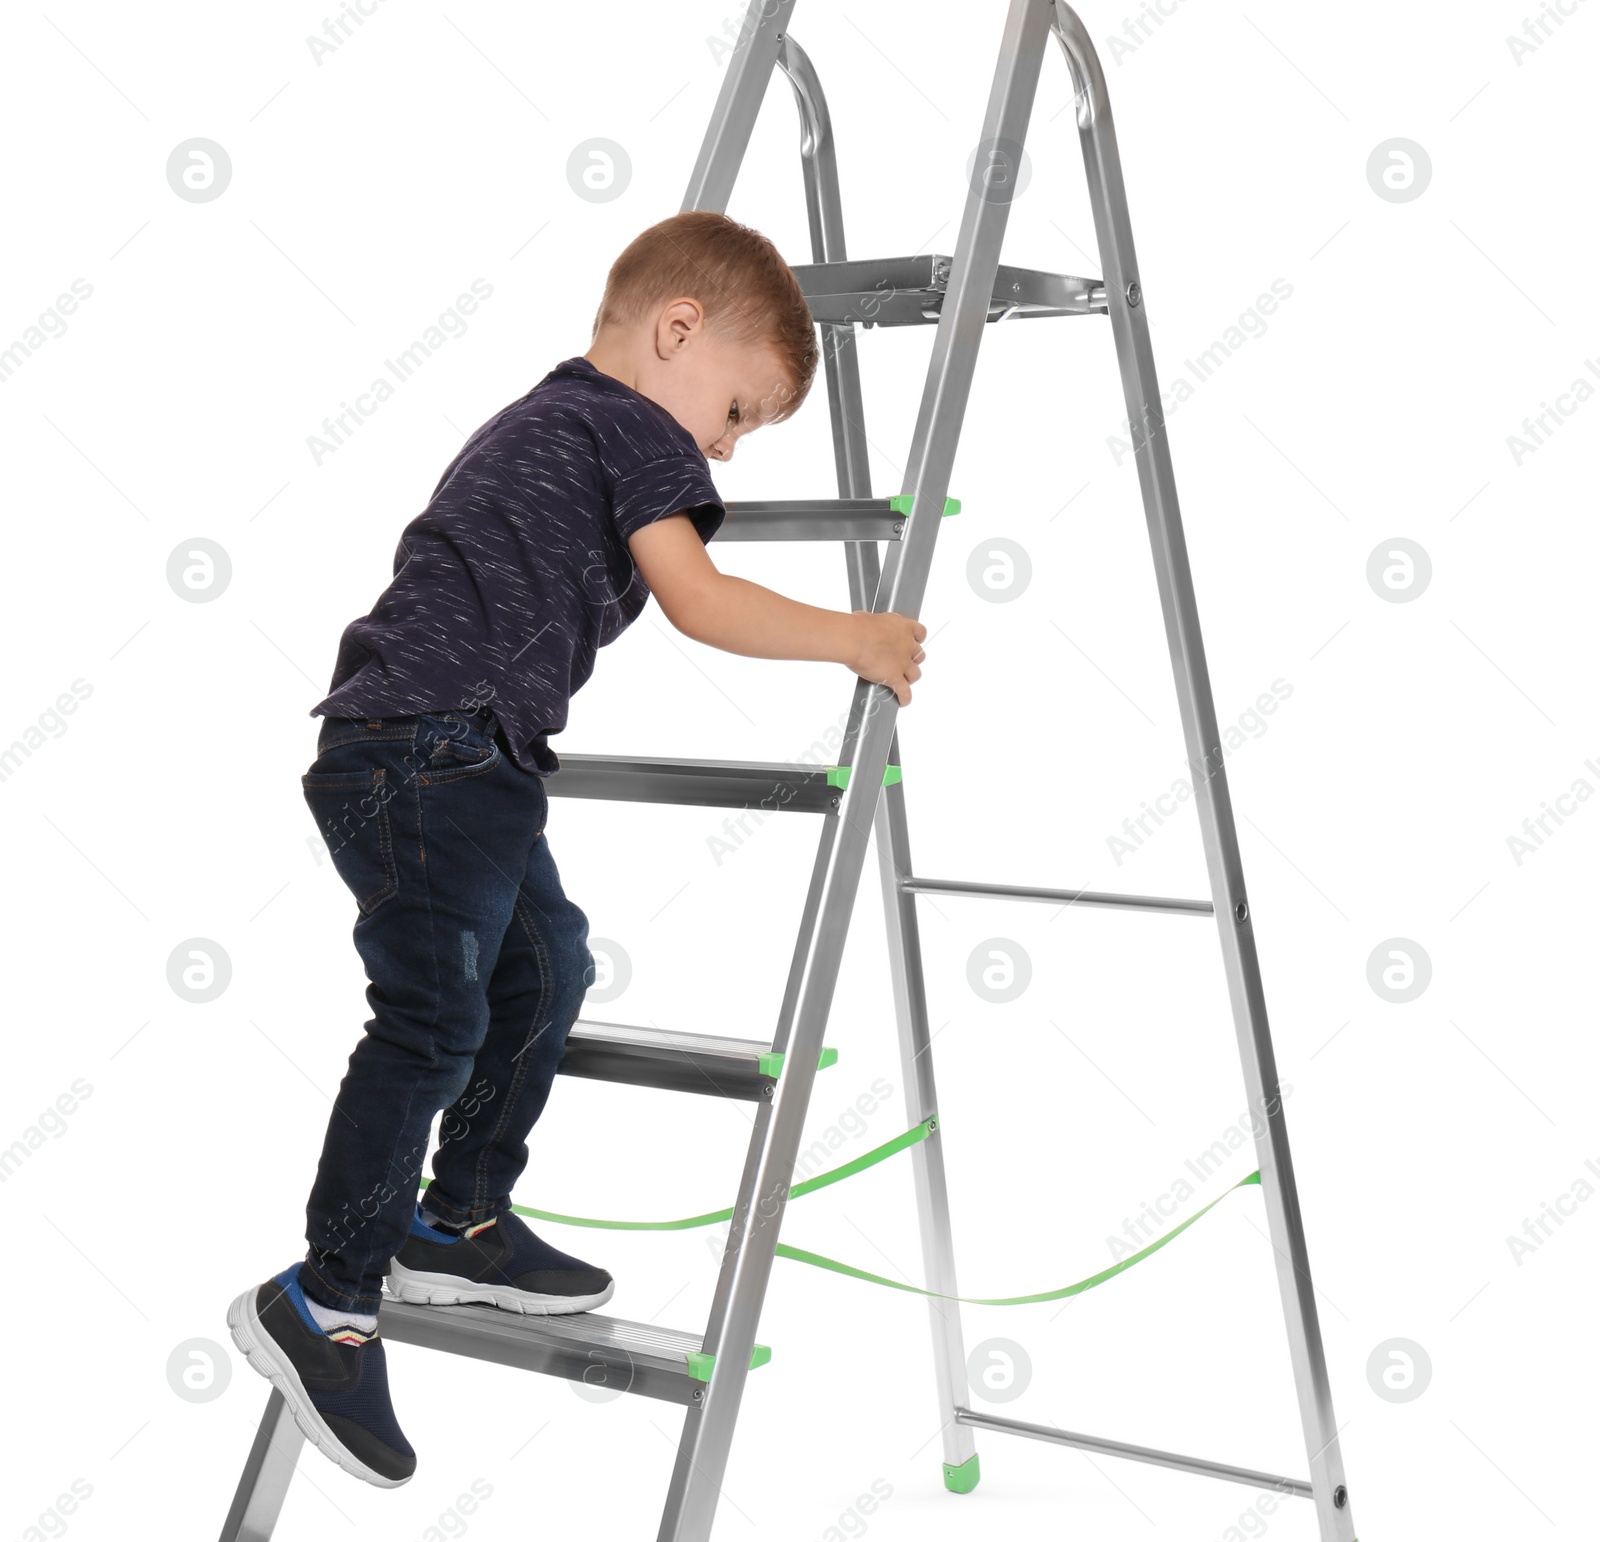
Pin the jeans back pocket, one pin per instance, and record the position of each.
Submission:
(351, 809)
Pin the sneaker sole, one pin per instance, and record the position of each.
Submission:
(266, 1356)
(424, 1289)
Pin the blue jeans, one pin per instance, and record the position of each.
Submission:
(477, 966)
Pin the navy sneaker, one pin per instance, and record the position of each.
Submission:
(501, 1262)
(336, 1387)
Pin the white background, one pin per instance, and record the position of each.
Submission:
(430, 149)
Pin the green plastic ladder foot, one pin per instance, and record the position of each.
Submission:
(962, 1479)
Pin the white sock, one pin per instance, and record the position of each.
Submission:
(331, 1317)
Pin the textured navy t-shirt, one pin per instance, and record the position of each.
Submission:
(518, 570)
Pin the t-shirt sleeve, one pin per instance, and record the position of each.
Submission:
(673, 484)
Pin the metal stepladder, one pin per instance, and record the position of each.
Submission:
(862, 798)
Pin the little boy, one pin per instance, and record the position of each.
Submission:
(543, 540)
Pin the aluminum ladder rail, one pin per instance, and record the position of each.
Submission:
(971, 297)
(704, 1373)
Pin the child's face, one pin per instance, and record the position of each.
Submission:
(717, 389)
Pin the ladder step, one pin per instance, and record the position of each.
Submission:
(675, 1062)
(905, 291)
(987, 1421)
(820, 519)
(1177, 907)
(600, 1351)
(770, 785)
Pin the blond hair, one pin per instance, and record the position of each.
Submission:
(750, 294)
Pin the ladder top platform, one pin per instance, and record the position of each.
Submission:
(908, 291)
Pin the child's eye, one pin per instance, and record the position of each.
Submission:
(733, 413)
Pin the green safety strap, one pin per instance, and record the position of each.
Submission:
(821, 1181)
(917, 1132)
(785, 1251)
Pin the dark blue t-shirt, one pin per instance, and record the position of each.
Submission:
(518, 570)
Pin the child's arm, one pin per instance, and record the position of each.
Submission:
(738, 616)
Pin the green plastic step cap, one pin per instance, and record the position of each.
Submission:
(772, 1062)
(839, 776)
(901, 504)
(700, 1362)
(962, 1479)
